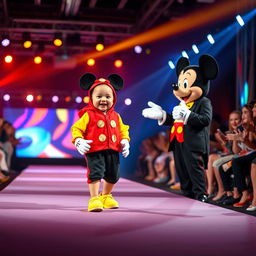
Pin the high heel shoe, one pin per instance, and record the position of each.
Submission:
(251, 208)
(242, 204)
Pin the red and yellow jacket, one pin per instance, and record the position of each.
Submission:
(105, 130)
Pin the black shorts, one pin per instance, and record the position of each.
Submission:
(103, 164)
(254, 161)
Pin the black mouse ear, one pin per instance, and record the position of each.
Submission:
(208, 66)
(116, 81)
(87, 80)
(181, 64)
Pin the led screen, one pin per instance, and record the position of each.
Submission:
(43, 132)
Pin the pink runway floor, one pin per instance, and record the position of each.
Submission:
(43, 212)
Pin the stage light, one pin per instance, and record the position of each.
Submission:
(90, 62)
(138, 49)
(240, 20)
(100, 43)
(6, 97)
(171, 65)
(86, 99)
(210, 39)
(38, 60)
(27, 44)
(55, 98)
(184, 54)
(29, 98)
(39, 97)
(8, 58)
(57, 41)
(78, 99)
(127, 101)
(118, 63)
(68, 99)
(195, 49)
(99, 47)
(26, 40)
(148, 51)
(5, 41)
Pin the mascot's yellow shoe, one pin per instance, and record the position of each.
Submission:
(108, 201)
(95, 204)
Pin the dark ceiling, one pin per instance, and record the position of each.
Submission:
(81, 21)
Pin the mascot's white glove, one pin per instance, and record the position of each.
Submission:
(181, 112)
(82, 145)
(154, 112)
(125, 147)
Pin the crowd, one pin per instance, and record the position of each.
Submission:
(231, 171)
(8, 143)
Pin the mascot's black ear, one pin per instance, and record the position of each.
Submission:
(87, 80)
(209, 67)
(181, 64)
(116, 81)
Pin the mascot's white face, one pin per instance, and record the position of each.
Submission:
(186, 90)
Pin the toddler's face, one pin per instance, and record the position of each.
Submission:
(102, 97)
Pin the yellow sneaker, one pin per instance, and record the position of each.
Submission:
(95, 204)
(108, 201)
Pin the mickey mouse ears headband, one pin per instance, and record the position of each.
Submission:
(88, 80)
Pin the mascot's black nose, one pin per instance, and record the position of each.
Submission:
(175, 87)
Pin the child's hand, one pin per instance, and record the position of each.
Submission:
(82, 145)
(125, 147)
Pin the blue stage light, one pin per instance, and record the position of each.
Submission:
(240, 20)
(171, 65)
(184, 54)
(195, 49)
(210, 39)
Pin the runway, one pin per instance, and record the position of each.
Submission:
(44, 212)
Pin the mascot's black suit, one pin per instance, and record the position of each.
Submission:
(190, 122)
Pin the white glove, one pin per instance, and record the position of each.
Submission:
(181, 112)
(154, 112)
(125, 147)
(82, 145)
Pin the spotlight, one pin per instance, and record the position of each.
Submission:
(57, 41)
(5, 41)
(210, 39)
(138, 49)
(79, 99)
(8, 59)
(86, 99)
(38, 59)
(6, 97)
(118, 63)
(100, 43)
(195, 49)
(29, 98)
(171, 65)
(26, 40)
(127, 101)
(240, 20)
(184, 54)
(39, 97)
(55, 98)
(90, 62)
(68, 99)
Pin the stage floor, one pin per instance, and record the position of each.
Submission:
(44, 212)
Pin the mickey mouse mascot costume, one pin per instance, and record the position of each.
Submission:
(190, 123)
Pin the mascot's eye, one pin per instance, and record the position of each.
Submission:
(179, 83)
(185, 83)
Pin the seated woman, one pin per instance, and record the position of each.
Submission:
(216, 160)
(244, 145)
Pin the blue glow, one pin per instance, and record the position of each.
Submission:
(240, 20)
(210, 39)
(171, 64)
(184, 54)
(195, 49)
(246, 92)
